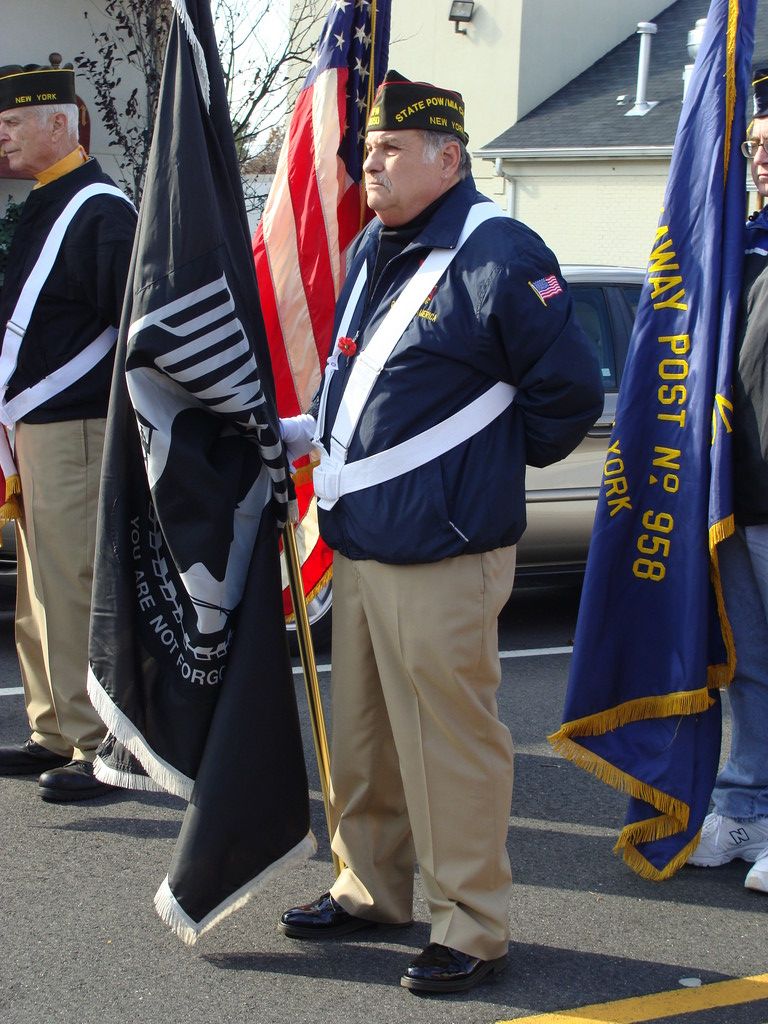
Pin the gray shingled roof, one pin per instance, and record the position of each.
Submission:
(584, 114)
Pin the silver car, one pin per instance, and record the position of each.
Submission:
(560, 499)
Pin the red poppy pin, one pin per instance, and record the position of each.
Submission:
(347, 346)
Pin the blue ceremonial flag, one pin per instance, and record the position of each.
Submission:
(652, 641)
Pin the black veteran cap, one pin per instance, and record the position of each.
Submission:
(760, 85)
(35, 86)
(400, 104)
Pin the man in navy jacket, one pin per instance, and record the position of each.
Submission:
(458, 361)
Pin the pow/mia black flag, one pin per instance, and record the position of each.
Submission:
(189, 661)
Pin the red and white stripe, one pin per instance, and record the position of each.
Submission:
(311, 216)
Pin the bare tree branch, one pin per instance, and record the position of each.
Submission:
(265, 54)
(133, 47)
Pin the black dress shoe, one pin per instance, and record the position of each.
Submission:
(28, 758)
(73, 781)
(323, 919)
(442, 969)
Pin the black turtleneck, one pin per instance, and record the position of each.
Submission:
(392, 241)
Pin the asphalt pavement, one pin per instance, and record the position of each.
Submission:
(80, 940)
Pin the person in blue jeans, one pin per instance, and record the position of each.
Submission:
(738, 826)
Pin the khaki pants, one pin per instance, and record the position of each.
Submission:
(421, 766)
(60, 467)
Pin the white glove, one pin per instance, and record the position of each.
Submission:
(297, 433)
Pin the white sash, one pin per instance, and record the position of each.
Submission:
(333, 477)
(17, 325)
(416, 451)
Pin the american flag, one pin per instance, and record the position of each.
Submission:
(546, 287)
(315, 208)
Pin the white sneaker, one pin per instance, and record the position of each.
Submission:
(757, 878)
(723, 840)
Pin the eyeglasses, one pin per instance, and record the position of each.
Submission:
(751, 146)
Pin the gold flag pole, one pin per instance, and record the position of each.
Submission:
(368, 104)
(309, 668)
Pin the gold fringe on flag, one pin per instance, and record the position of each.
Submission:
(721, 675)
(325, 579)
(730, 82)
(11, 508)
(674, 813)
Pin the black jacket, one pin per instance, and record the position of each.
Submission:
(81, 297)
(750, 392)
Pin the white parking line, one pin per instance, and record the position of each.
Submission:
(534, 652)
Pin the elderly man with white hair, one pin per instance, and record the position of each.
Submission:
(59, 310)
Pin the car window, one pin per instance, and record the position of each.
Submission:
(592, 314)
(631, 293)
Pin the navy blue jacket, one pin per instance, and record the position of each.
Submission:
(484, 322)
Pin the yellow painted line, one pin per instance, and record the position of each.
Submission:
(659, 1005)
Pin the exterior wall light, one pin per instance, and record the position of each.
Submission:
(461, 12)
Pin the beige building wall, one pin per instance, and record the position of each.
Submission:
(516, 53)
(39, 29)
(593, 212)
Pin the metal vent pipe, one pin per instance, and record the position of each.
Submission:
(645, 30)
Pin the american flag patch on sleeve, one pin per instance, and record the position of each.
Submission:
(546, 287)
